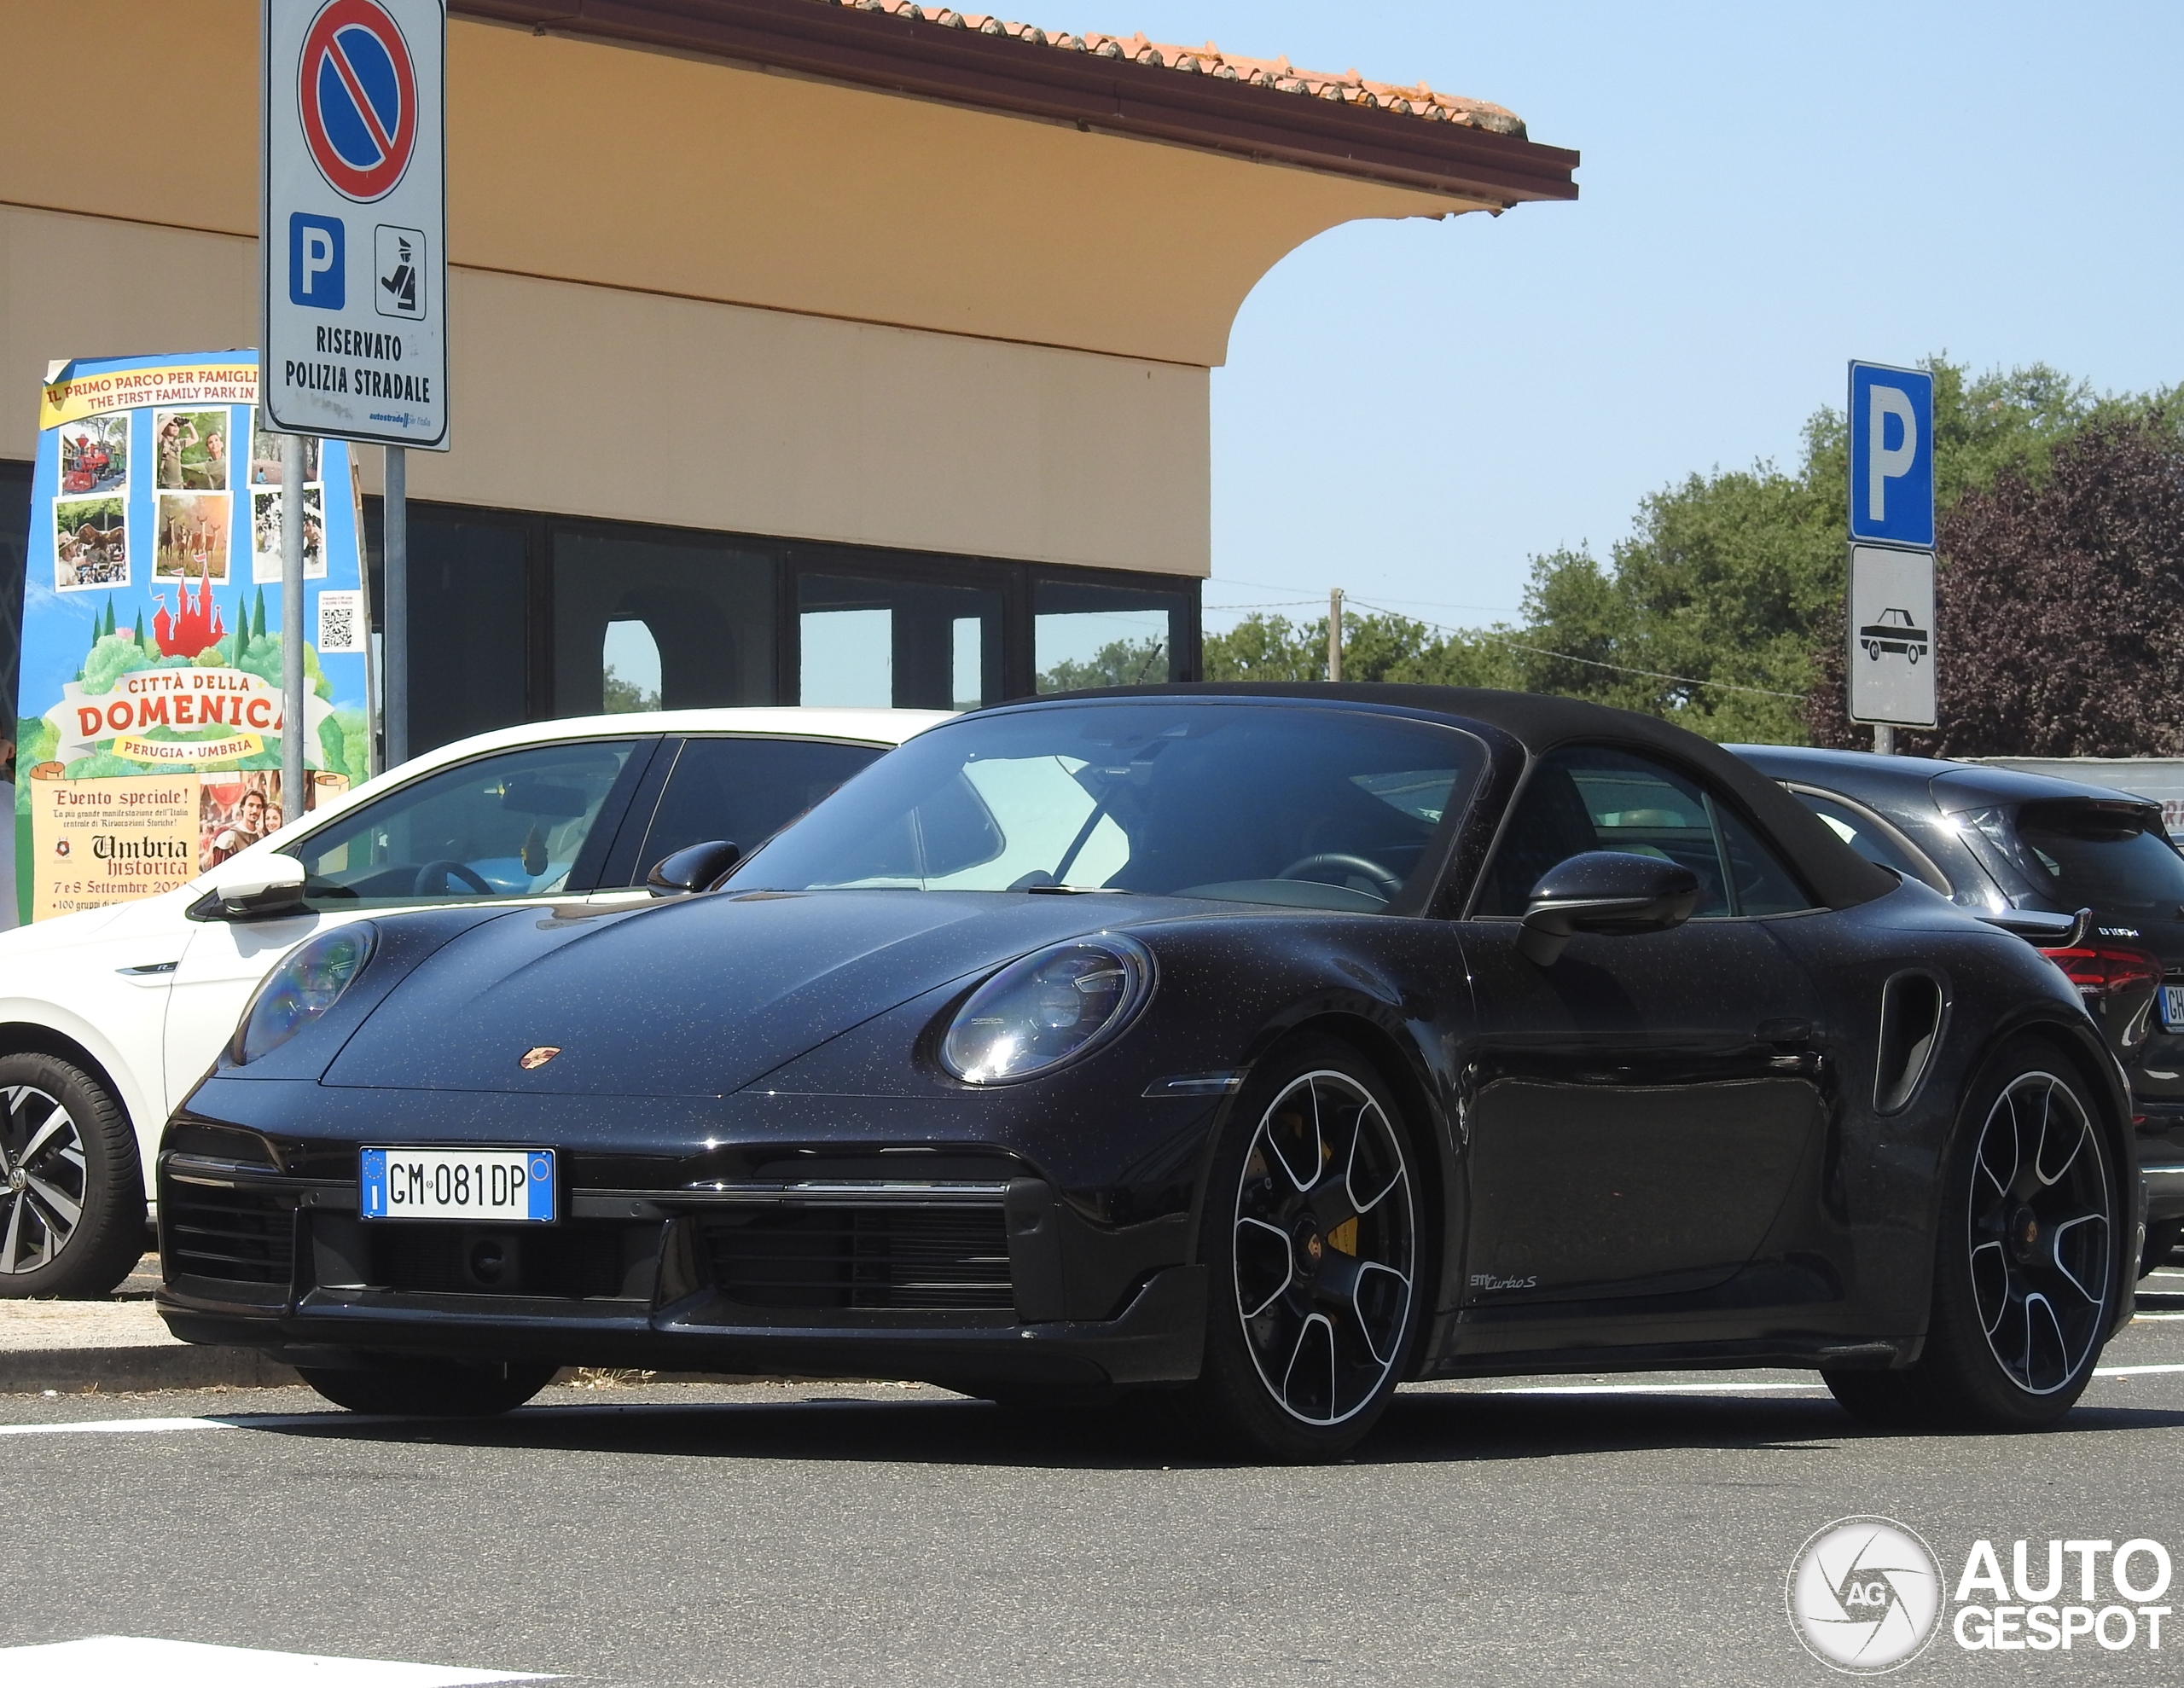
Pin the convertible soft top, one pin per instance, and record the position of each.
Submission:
(1831, 870)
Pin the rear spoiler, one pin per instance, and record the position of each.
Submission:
(2042, 929)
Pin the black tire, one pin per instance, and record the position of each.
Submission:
(2026, 1264)
(72, 1192)
(1333, 1266)
(2161, 1238)
(418, 1388)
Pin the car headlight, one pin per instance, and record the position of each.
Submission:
(1048, 1008)
(303, 987)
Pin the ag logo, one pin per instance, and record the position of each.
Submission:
(1864, 1594)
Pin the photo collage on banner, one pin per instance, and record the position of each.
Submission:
(150, 713)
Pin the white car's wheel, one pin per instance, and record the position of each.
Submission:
(72, 1193)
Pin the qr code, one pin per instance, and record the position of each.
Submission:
(339, 631)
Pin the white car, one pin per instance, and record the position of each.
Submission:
(110, 1016)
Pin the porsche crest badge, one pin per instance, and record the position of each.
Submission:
(539, 1055)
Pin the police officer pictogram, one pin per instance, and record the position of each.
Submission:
(401, 266)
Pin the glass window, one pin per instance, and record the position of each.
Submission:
(1313, 808)
(512, 825)
(2073, 854)
(1088, 636)
(629, 660)
(745, 789)
(1591, 799)
(1758, 882)
(1876, 843)
(883, 644)
(706, 611)
(467, 626)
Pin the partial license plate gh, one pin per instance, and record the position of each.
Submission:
(477, 1184)
(2172, 1007)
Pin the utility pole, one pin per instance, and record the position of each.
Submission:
(1335, 635)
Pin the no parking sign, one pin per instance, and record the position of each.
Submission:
(354, 233)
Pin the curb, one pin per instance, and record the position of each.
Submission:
(178, 1366)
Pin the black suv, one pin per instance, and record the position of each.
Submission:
(2030, 853)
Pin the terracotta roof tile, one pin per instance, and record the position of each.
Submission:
(1347, 87)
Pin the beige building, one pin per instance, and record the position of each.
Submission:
(801, 351)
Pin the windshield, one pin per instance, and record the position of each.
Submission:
(1304, 806)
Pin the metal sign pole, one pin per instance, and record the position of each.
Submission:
(293, 793)
(1883, 739)
(395, 645)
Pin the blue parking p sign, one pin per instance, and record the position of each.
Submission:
(1891, 456)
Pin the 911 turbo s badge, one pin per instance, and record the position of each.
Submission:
(539, 1055)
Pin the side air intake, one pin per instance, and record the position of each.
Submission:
(1910, 1019)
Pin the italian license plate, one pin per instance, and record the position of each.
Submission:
(483, 1184)
(2172, 1007)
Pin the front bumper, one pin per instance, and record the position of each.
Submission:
(961, 1283)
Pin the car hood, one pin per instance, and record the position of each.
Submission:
(697, 997)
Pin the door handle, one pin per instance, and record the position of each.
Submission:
(1783, 1031)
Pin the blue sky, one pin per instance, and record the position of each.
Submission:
(1411, 411)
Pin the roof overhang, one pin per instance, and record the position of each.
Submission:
(999, 73)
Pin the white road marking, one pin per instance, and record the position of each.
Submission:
(132, 1661)
(1755, 1389)
(1653, 1388)
(115, 1426)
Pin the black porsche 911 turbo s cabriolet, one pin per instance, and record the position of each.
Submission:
(1263, 1046)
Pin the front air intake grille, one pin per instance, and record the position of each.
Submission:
(865, 1258)
(242, 1236)
(572, 1262)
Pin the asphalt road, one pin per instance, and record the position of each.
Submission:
(860, 1534)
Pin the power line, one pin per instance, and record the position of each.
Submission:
(1516, 644)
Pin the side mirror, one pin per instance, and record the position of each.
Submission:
(1608, 892)
(695, 869)
(265, 886)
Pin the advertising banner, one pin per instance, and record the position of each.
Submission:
(148, 718)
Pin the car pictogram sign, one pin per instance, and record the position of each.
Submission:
(357, 94)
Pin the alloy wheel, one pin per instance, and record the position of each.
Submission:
(2039, 1232)
(43, 1178)
(1325, 1247)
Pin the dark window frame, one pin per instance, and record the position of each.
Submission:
(1016, 580)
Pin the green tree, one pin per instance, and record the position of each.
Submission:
(2057, 598)
(1717, 610)
(624, 697)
